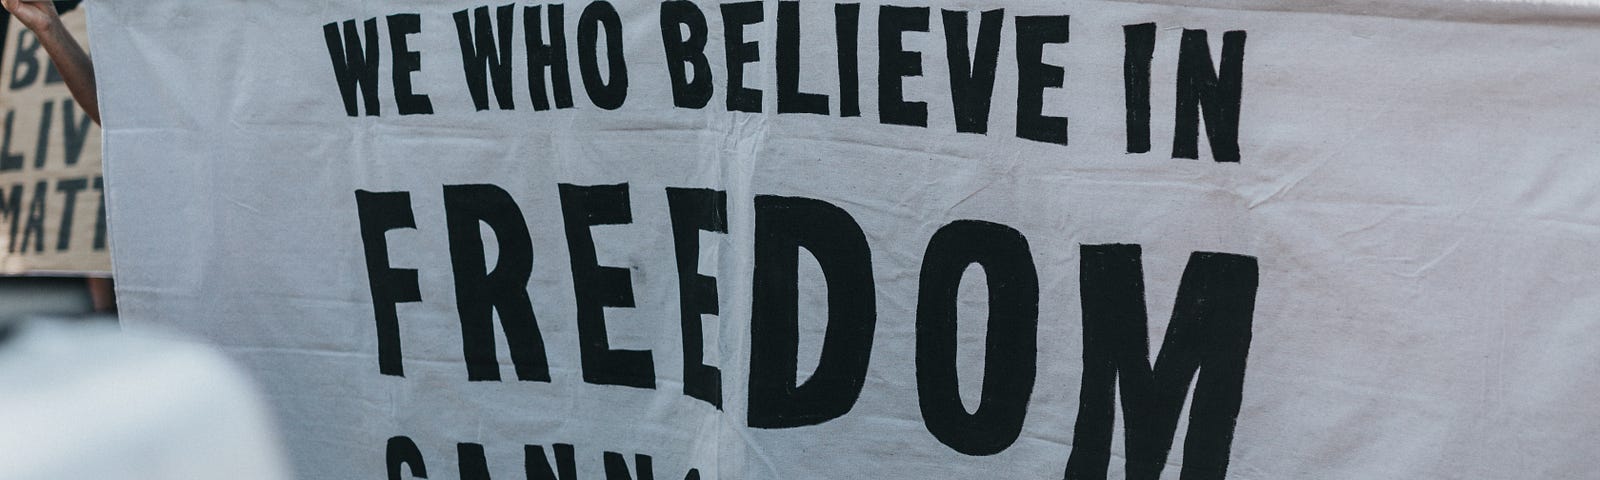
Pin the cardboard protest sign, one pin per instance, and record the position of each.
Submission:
(993, 239)
(52, 214)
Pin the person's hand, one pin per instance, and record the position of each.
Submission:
(71, 61)
(37, 16)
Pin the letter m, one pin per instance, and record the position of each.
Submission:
(1206, 343)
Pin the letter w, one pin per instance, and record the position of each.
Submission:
(1209, 337)
(487, 49)
(355, 64)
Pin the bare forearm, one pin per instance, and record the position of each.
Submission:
(75, 67)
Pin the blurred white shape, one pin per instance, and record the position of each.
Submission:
(89, 401)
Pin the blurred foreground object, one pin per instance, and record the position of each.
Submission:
(87, 401)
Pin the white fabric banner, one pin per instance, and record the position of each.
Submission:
(976, 239)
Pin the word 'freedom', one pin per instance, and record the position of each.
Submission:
(1206, 343)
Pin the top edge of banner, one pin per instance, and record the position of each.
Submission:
(1547, 12)
(1472, 11)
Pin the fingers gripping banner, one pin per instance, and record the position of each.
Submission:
(52, 214)
(845, 240)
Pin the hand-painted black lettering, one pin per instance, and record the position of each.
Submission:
(972, 75)
(790, 98)
(597, 286)
(735, 16)
(402, 452)
(75, 131)
(617, 467)
(895, 63)
(1011, 348)
(9, 160)
(379, 213)
(33, 227)
(608, 93)
(68, 188)
(694, 210)
(1139, 47)
(537, 467)
(11, 207)
(480, 294)
(1208, 338)
(1033, 76)
(355, 64)
(551, 55)
(5, 30)
(406, 61)
(1217, 92)
(41, 150)
(99, 215)
(487, 48)
(677, 15)
(783, 226)
(847, 27)
(472, 462)
(25, 63)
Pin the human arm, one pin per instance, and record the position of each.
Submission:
(70, 59)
